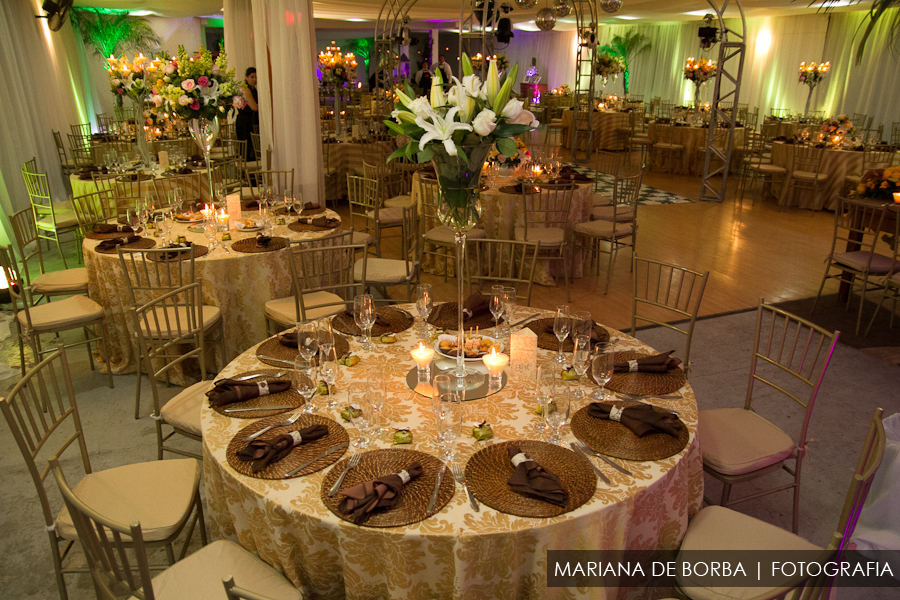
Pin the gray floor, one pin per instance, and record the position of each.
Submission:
(854, 386)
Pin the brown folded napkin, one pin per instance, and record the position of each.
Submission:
(228, 391)
(512, 189)
(175, 255)
(196, 158)
(312, 209)
(379, 320)
(532, 480)
(134, 177)
(184, 171)
(476, 305)
(658, 363)
(262, 241)
(595, 337)
(362, 499)
(288, 339)
(250, 205)
(112, 228)
(111, 244)
(265, 452)
(435, 314)
(641, 419)
(325, 222)
(570, 177)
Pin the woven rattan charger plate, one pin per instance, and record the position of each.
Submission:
(93, 235)
(272, 347)
(614, 439)
(178, 256)
(398, 320)
(249, 246)
(549, 341)
(141, 244)
(301, 227)
(489, 469)
(298, 456)
(413, 502)
(645, 384)
(447, 319)
(289, 397)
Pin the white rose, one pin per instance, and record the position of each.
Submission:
(157, 100)
(472, 85)
(170, 68)
(421, 107)
(525, 117)
(184, 100)
(512, 110)
(485, 122)
(116, 81)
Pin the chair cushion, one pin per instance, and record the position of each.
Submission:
(282, 310)
(246, 192)
(605, 213)
(640, 140)
(183, 411)
(757, 160)
(359, 238)
(388, 216)
(158, 494)
(768, 169)
(397, 201)
(854, 179)
(384, 270)
(716, 528)
(666, 146)
(63, 220)
(601, 200)
(445, 235)
(68, 280)
(252, 165)
(737, 441)
(881, 264)
(62, 314)
(547, 236)
(172, 317)
(603, 229)
(809, 176)
(199, 576)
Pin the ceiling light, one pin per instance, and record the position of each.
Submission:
(627, 17)
(526, 26)
(697, 13)
(356, 20)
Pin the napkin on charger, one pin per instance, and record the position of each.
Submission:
(111, 244)
(265, 452)
(658, 363)
(360, 500)
(476, 304)
(532, 480)
(228, 391)
(112, 228)
(641, 419)
(379, 320)
(312, 209)
(325, 222)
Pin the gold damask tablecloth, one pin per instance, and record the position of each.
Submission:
(455, 553)
(836, 164)
(346, 158)
(239, 284)
(694, 141)
(605, 127)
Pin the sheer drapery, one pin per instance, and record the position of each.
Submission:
(284, 33)
(239, 35)
(554, 51)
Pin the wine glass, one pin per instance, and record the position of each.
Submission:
(509, 304)
(297, 202)
(133, 219)
(376, 394)
(557, 418)
(424, 305)
(326, 335)
(449, 422)
(562, 323)
(328, 371)
(307, 339)
(581, 360)
(168, 223)
(582, 324)
(546, 391)
(603, 364)
(359, 411)
(497, 304)
(209, 230)
(439, 385)
(364, 315)
(306, 382)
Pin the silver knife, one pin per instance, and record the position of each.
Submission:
(437, 487)
(331, 450)
(587, 450)
(638, 397)
(517, 323)
(596, 470)
(232, 410)
(342, 321)
(278, 360)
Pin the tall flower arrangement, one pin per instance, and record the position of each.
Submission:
(198, 87)
(134, 78)
(608, 65)
(811, 74)
(338, 69)
(699, 71)
(879, 184)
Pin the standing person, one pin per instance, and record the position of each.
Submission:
(422, 78)
(248, 115)
(444, 68)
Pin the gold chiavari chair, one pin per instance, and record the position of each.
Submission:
(53, 220)
(406, 270)
(509, 262)
(546, 214)
(806, 174)
(365, 205)
(68, 166)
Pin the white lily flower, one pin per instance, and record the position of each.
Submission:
(404, 116)
(485, 122)
(472, 85)
(438, 97)
(492, 84)
(460, 97)
(442, 129)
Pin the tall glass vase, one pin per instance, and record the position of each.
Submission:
(337, 110)
(139, 135)
(808, 99)
(460, 208)
(697, 86)
(205, 132)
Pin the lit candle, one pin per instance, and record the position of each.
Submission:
(423, 355)
(897, 197)
(222, 220)
(537, 170)
(206, 212)
(495, 363)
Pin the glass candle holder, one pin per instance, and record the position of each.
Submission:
(495, 364)
(423, 355)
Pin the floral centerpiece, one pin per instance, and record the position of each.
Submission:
(840, 124)
(811, 74)
(510, 161)
(562, 90)
(699, 71)
(132, 79)
(338, 69)
(502, 62)
(607, 65)
(456, 131)
(879, 184)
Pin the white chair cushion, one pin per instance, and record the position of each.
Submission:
(601, 200)
(63, 220)
(768, 169)
(62, 314)
(252, 165)
(605, 213)
(246, 192)
(359, 238)
(603, 229)
(282, 310)
(183, 411)
(173, 321)
(68, 280)
(854, 179)
(158, 494)
(809, 176)
(388, 216)
(737, 441)
(384, 270)
(445, 235)
(881, 264)
(398, 202)
(756, 160)
(640, 140)
(199, 576)
(716, 528)
(666, 146)
(547, 236)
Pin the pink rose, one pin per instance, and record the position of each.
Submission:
(203, 81)
(188, 85)
(120, 91)
(215, 69)
(195, 105)
(170, 68)
(238, 102)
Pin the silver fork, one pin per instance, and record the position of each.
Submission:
(289, 421)
(248, 377)
(354, 460)
(461, 479)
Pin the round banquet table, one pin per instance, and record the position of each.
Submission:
(455, 553)
(837, 164)
(81, 187)
(238, 283)
(694, 141)
(346, 157)
(502, 212)
(605, 125)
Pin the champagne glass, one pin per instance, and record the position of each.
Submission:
(603, 364)
(582, 324)
(168, 223)
(326, 335)
(306, 382)
(546, 391)
(376, 394)
(450, 422)
(360, 412)
(424, 305)
(297, 202)
(581, 360)
(562, 323)
(497, 304)
(209, 230)
(328, 371)
(364, 315)
(133, 220)
(557, 418)
(307, 339)
(509, 305)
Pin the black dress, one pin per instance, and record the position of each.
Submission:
(247, 119)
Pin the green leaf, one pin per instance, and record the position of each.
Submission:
(425, 155)
(399, 152)
(394, 127)
(409, 89)
(506, 147)
(462, 154)
(467, 65)
(503, 130)
(409, 150)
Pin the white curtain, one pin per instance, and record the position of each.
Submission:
(554, 52)
(284, 33)
(239, 41)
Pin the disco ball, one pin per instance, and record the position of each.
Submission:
(545, 19)
(526, 3)
(611, 6)
(561, 8)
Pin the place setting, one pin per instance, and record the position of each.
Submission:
(304, 340)
(110, 231)
(259, 244)
(255, 394)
